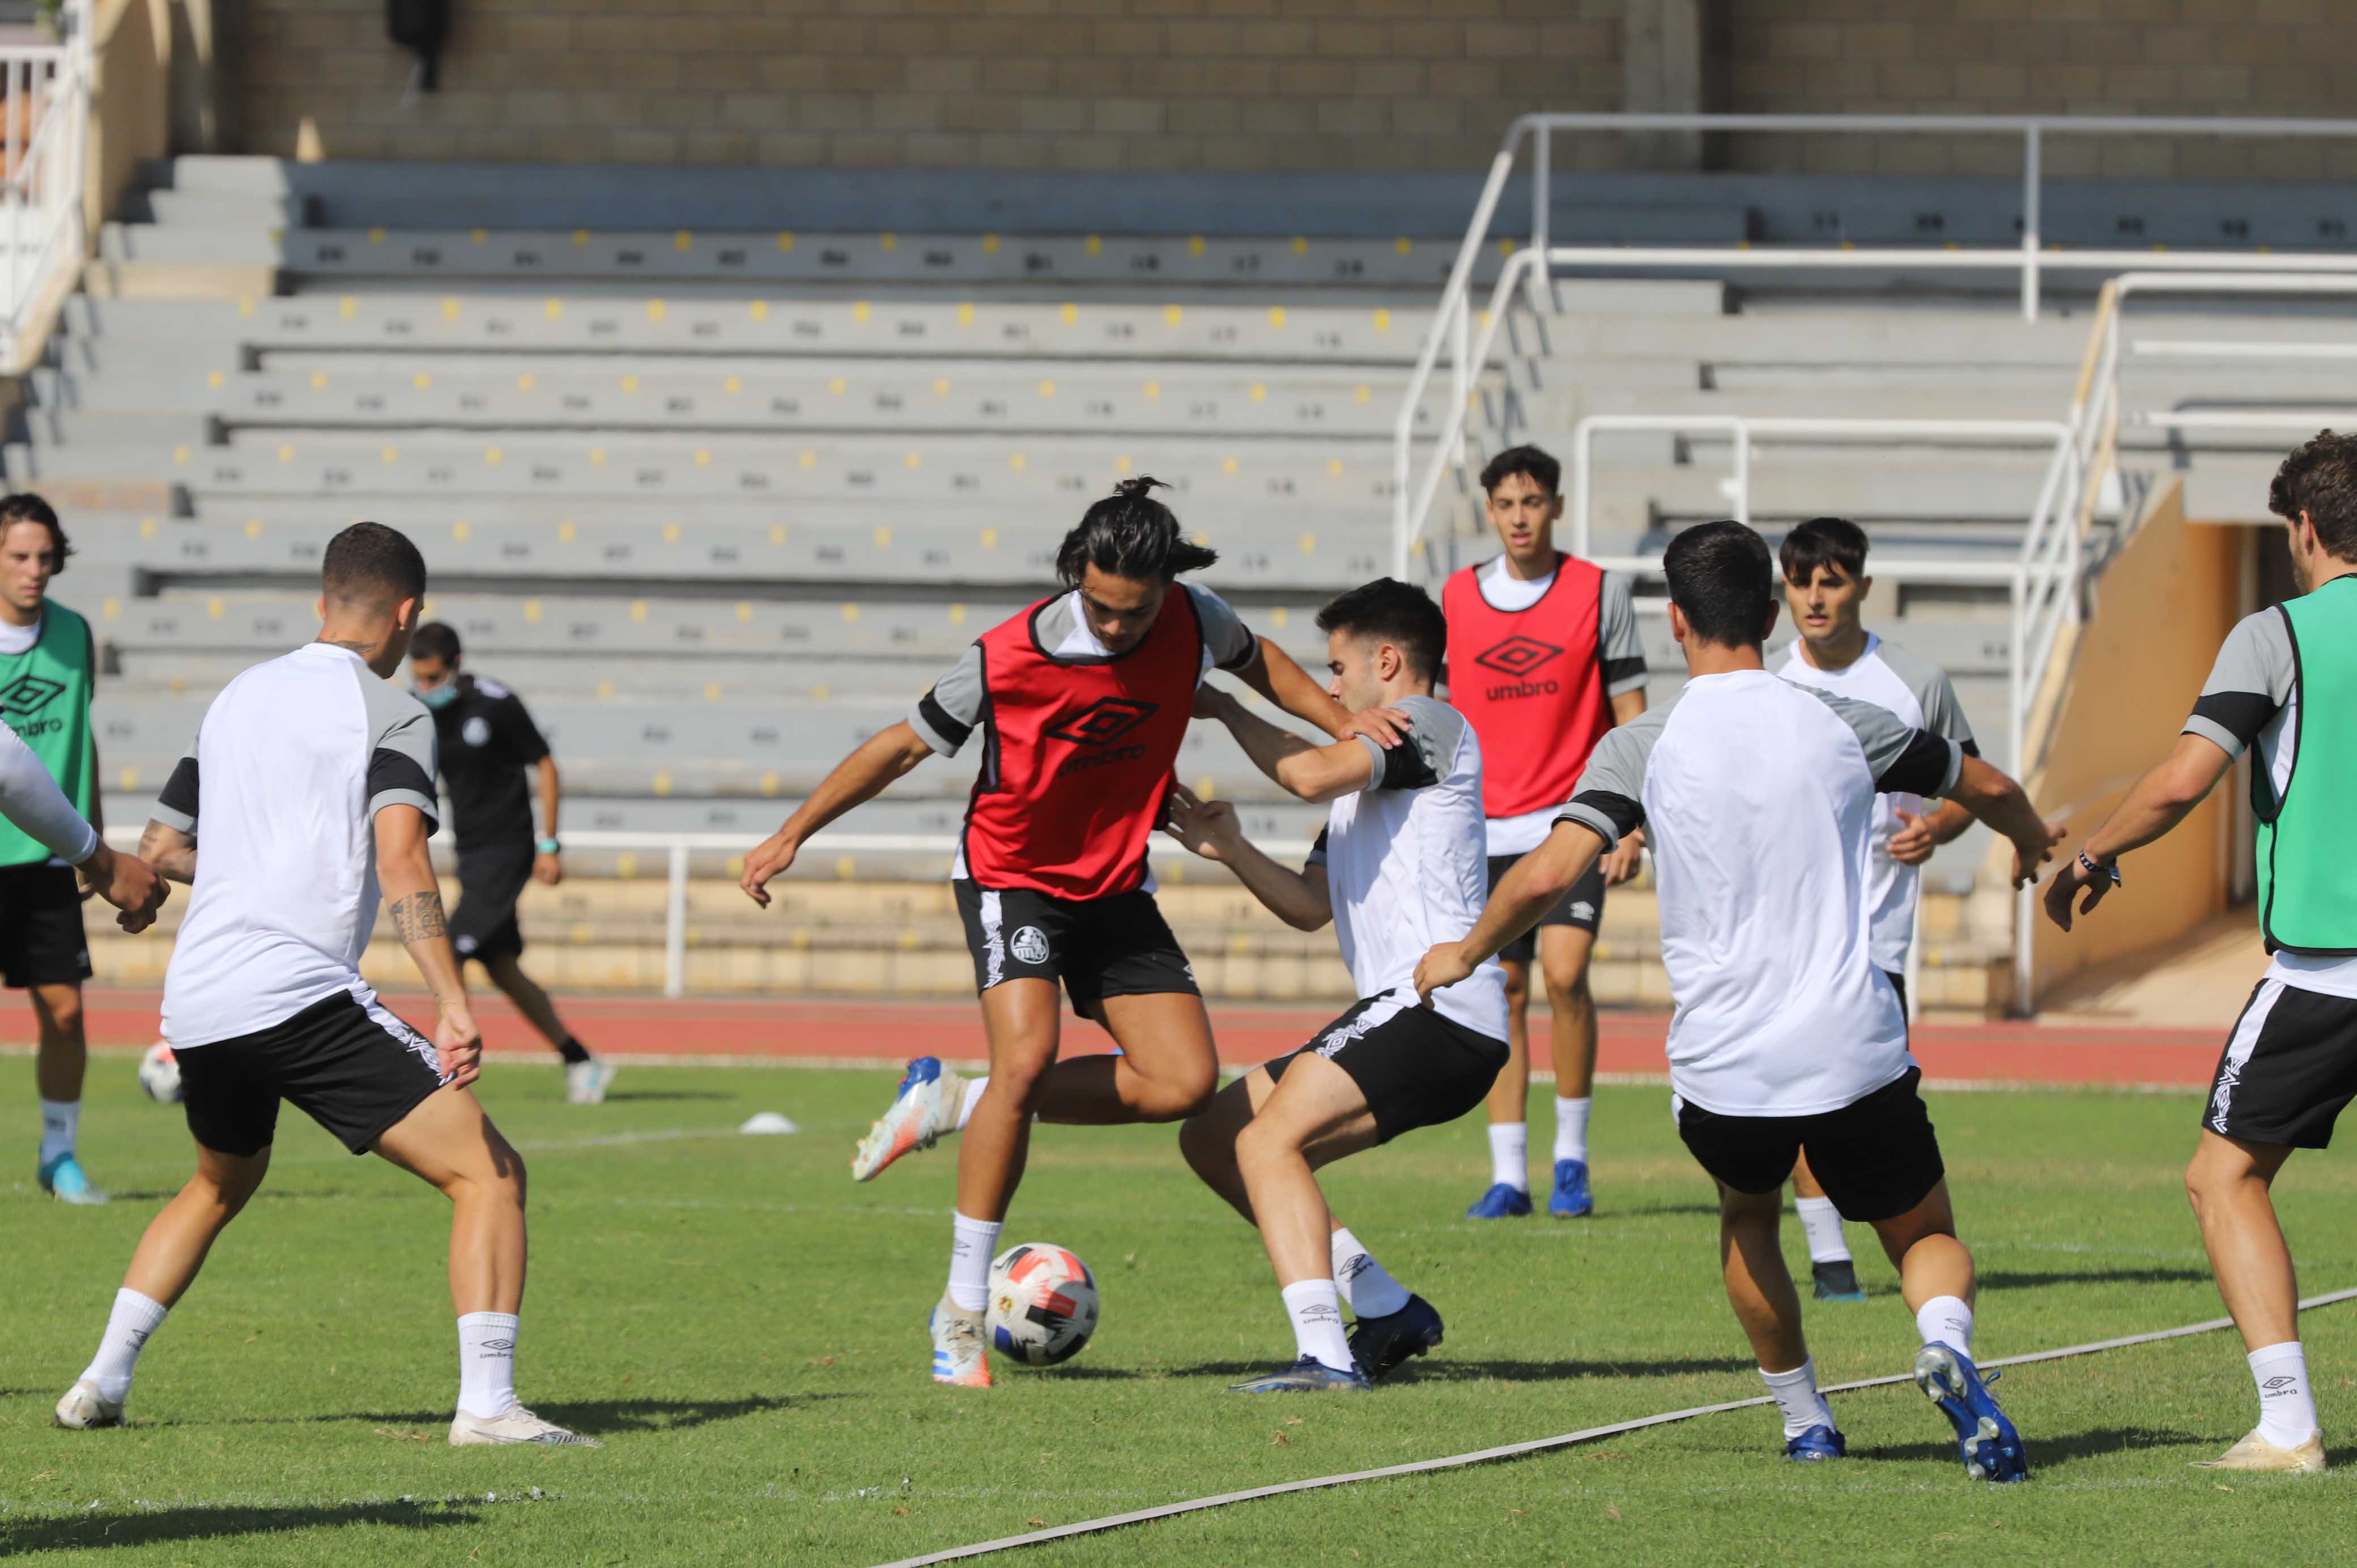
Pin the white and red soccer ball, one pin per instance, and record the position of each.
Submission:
(1043, 1303)
(159, 1074)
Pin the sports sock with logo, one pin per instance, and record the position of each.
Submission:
(973, 1088)
(134, 1317)
(1571, 1128)
(1315, 1307)
(1510, 1154)
(2287, 1404)
(1796, 1395)
(973, 1242)
(487, 1346)
(1948, 1320)
(1821, 1222)
(1366, 1288)
(60, 1123)
(574, 1052)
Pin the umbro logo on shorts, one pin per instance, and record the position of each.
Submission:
(1029, 945)
(1583, 910)
(28, 694)
(1518, 655)
(1104, 721)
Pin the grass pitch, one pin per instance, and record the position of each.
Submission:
(743, 1327)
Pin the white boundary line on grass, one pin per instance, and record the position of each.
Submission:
(1539, 1445)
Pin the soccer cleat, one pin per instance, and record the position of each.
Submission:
(586, 1083)
(515, 1424)
(1992, 1448)
(84, 1408)
(1383, 1345)
(2255, 1452)
(1307, 1376)
(924, 1107)
(1817, 1444)
(960, 1352)
(1571, 1199)
(1838, 1281)
(62, 1178)
(1500, 1202)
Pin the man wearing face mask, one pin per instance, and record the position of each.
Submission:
(487, 739)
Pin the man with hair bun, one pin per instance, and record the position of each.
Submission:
(1078, 705)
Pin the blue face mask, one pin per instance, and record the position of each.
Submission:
(440, 696)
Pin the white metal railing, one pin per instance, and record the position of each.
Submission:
(44, 139)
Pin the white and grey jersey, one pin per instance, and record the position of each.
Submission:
(291, 765)
(1920, 693)
(30, 798)
(1757, 797)
(945, 716)
(1406, 868)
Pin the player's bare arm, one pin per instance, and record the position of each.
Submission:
(172, 853)
(1533, 887)
(2004, 805)
(1307, 771)
(1275, 675)
(2163, 798)
(885, 756)
(412, 901)
(548, 867)
(1626, 856)
(1918, 836)
(1211, 829)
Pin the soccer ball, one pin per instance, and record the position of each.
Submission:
(159, 1074)
(1043, 1303)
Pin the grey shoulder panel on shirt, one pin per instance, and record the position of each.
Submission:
(946, 715)
(1231, 642)
(1618, 643)
(401, 754)
(1944, 715)
(1435, 735)
(2251, 681)
(1609, 798)
(1902, 758)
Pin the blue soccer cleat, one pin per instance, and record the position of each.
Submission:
(1500, 1202)
(1307, 1376)
(1381, 1345)
(1571, 1199)
(924, 1108)
(62, 1178)
(1992, 1448)
(1816, 1445)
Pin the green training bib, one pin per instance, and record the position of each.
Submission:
(2307, 833)
(45, 697)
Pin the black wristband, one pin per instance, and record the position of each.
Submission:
(2109, 872)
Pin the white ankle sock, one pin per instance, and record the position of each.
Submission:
(2287, 1405)
(1315, 1307)
(1510, 1154)
(60, 1124)
(1796, 1395)
(1366, 1288)
(1821, 1222)
(134, 1317)
(487, 1347)
(1948, 1320)
(1571, 1128)
(973, 1088)
(973, 1243)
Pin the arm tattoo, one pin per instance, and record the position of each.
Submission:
(171, 851)
(418, 916)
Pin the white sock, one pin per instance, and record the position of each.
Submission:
(2287, 1405)
(1367, 1290)
(1797, 1397)
(60, 1121)
(134, 1317)
(973, 1088)
(1316, 1308)
(487, 1346)
(1948, 1320)
(1822, 1224)
(973, 1243)
(1510, 1154)
(1571, 1128)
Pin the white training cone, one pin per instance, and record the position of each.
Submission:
(767, 1121)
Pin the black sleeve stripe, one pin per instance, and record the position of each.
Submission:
(948, 728)
(1625, 815)
(1618, 670)
(1971, 748)
(1317, 851)
(1404, 768)
(2241, 714)
(1920, 769)
(1245, 657)
(390, 769)
(179, 791)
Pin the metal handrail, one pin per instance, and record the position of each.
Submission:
(42, 177)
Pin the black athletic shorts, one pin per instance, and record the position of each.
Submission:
(1119, 946)
(354, 1071)
(41, 938)
(1417, 1066)
(1582, 909)
(483, 927)
(2288, 1068)
(1875, 1157)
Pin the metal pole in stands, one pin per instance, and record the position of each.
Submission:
(1743, 474)
(2029, 220)
(676, 924)
(1542, 203)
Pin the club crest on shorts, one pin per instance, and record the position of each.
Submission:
(1029, 945)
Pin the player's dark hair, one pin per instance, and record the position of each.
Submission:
(1130, 535)
(370, 562)
(1398, 613)
(1721, 578)
(2321, 478)
(1834, 542)
(1531, 462)
(26, 507)
(434, 640)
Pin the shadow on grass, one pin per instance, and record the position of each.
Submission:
(146, 1527)
(600, 1418)
(1450, 1371)
(615, 1096)
(2094, 1445)
(2032, 1279)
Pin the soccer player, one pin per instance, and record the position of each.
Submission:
(1823, 563)
(1543, 658)
(48, 670)
(2285, 681)
(1787, 1037)
(310, 785)
(1400, 864)
(31, 802)
(1080, 704)
(486, 739)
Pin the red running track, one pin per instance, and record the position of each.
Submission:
(791, 1028)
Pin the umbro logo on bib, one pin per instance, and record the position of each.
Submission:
(1105, 721)
(28, 695)
(1518, 655)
